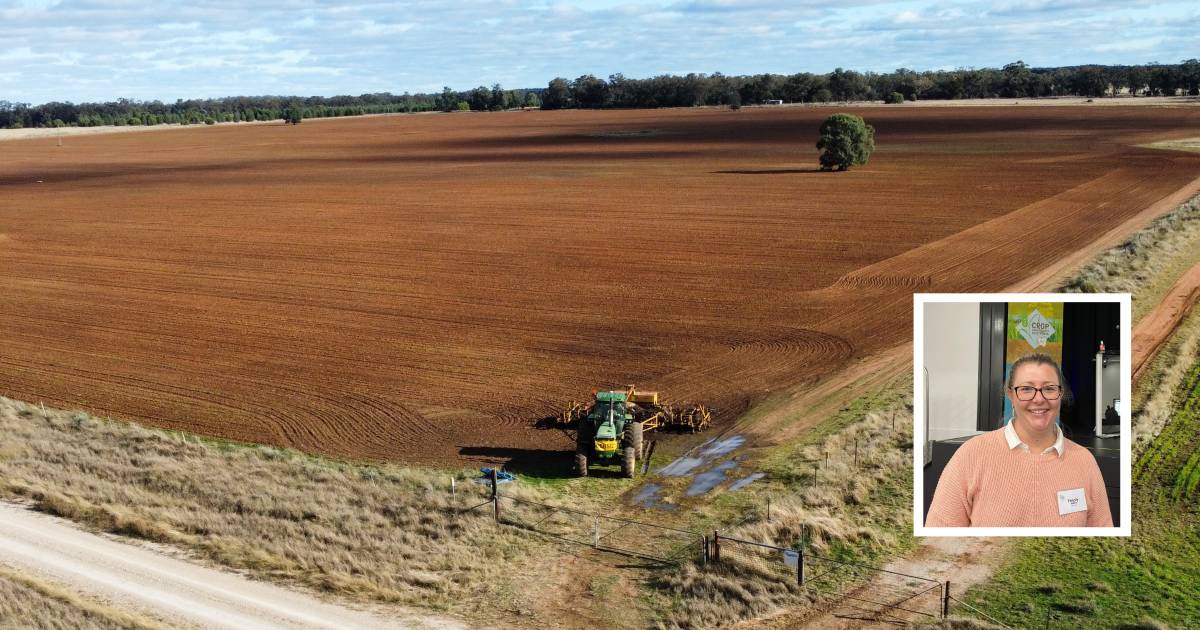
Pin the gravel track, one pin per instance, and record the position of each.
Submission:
(182, 593)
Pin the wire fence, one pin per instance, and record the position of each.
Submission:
(608, 533)
(640, 539)
(977, 612)
(834, 584)
(844, 588)
(841, 587)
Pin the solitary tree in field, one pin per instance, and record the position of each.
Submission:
(846, 140)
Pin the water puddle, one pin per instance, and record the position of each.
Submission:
(701, 465)
(648, 497)
(745, 481)
(681, 466)
(708, 452)
(710, 479)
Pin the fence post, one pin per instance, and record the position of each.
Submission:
(893, 420)
(856, 452)
(452, 486)
(800, 566)
(495, 497)
(704, 550)
(946, 599)
(716, 548)
(595, 531)
(768, 509)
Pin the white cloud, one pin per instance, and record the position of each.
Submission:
(17, 55)
(375, 29)
(1140, 46)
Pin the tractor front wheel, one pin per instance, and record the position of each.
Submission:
(628, 462)
(581, 464)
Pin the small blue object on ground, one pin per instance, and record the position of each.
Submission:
(501, 476)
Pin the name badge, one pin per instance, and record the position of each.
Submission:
(1071, 501)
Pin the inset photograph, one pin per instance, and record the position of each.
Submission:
(1021, 411)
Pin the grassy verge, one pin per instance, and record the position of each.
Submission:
(28, 602)
(366, 532)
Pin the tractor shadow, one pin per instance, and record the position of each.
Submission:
(536, 462)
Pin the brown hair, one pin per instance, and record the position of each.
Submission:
(1040, 359)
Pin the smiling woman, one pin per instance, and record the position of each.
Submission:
(1025, 474)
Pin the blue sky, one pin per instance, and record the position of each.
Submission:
(97, 50)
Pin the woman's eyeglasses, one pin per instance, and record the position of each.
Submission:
(1049, 392)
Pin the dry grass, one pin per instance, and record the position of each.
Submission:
(1147, 263)
(28, 602)
(377, 533)
(828, 503)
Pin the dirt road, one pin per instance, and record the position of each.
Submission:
(182, 593)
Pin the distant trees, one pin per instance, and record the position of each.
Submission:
(1018, 81)
(590, 92)
(846, 140)
(848, 85)
(557, 95)
(1014, 80)
(1090, 81)
(895, 98)
(478, 99)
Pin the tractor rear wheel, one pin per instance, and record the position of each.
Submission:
(581, 464)
(628, 462)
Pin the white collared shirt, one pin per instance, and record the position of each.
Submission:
(1014, 440)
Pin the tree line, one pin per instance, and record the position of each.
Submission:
(1015, 80)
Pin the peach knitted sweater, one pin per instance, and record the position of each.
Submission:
(987, 484)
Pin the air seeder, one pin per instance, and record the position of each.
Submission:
(611, 426)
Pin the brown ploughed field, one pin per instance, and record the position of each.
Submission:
(424, 288)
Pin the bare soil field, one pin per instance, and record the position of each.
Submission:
(425, 288)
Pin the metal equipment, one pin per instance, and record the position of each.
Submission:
(612, 425)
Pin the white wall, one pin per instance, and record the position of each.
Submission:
(951, 359)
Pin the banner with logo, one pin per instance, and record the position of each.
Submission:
(1032, 328)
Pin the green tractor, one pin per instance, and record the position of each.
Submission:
(608, 431)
